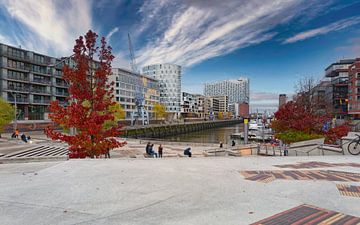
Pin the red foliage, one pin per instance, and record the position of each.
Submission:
(293, 116)
(90, 98)
(336, 133)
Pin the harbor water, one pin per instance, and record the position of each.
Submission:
(215, 135)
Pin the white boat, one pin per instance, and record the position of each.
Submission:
(257, 132)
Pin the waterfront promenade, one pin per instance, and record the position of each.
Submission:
(222, 190)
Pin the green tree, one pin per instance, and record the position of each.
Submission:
(221, 115)
(119, 114)
(159, 110)
(7, 113)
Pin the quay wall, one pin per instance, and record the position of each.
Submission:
(163, 130)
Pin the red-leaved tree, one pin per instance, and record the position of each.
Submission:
(293, 116)
(90, 98)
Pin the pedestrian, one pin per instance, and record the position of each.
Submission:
(221, 144)
(152, 153)
(147, 148)
(23, 138)
(107, 154)
(16, 133)
(233, 143)
(160, 151)
(187, 152)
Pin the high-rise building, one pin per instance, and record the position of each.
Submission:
(282, 100)
(236, 90)
(127, 83)
(27, 78)
(169, 77)
(354, 89)
(339, 74)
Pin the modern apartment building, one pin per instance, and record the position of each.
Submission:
(215, 104)
(27, 79)
(354, 89)
(127, 85)
(339, 74)
(282, 100)
(169, 77)
(321, 97)
(236, 90)
(192, 105)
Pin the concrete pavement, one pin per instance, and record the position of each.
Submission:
(162, 191)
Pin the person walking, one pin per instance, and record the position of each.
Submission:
(160, 151)
(232, 143)
(221, 144)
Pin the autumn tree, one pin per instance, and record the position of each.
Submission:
(90, 101)
(7, 113)
(221, 115)
(159, 110)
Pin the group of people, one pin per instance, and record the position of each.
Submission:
(150, 151)
(159, 154)
(23, 137)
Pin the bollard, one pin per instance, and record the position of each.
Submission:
(246, 121)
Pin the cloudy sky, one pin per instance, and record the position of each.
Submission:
(273, 42)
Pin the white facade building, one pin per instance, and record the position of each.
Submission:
(169, 77)
(237, 90)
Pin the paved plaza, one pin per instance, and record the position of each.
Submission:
(203, 190)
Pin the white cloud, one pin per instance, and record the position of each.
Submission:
(338, 25)
(113, 31)
(194, 31)
(50, 25)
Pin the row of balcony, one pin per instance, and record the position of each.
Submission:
(34, 90)
(26, 58)
(26, 100)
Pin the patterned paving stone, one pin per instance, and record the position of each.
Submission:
(307, 214)
(314, 164)
(349, 190)
(266, 176)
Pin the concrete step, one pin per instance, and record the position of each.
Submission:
(38, 153)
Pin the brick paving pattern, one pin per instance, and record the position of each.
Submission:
(266, 176)
(349, 190)
(307, 214)
(314, 164)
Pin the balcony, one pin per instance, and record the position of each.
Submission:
(62, 84)
(41, 81)
(18, 89)
(18, 100)
(40, 91)
(41, 101)
(61, 93)
(18, 78)
(17, 57)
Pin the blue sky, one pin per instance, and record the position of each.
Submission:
(274, 42)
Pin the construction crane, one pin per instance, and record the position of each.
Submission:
(140, 112)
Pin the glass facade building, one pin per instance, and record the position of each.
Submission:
(169, 77)
(127, 85)
(236, 90)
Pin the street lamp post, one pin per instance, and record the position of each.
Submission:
(15, 109)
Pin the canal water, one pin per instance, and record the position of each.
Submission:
(215, 135)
